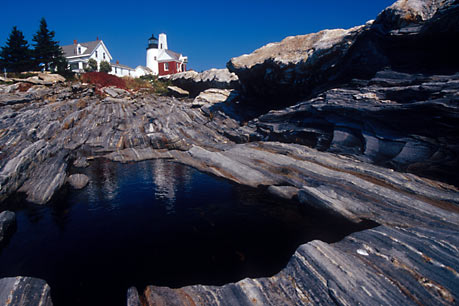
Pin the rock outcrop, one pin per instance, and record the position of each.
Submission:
(398, 120)
(195, 82)
(410, 34)
(24, 291)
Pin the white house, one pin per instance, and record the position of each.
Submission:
(122, 70)
(78, 54)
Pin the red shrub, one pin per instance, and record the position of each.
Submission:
(101, 79)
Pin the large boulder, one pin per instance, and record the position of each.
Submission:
(410, 34)
(195, 82)
(24, 291)
(290, 68)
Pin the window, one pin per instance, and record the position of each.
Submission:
(116, 70)
(79, 50)
(104, 55)
(161, 46)
(166, 66)
(155, 58)
(96, 54)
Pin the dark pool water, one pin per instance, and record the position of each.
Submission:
(155, 222)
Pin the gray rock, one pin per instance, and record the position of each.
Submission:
(24, 291)
(78, 181)
(7, 222)
(286, 192)
(81, 162)
(195, 82)
(177, 91)
(111, 92)
(214, 95)
(133, 297)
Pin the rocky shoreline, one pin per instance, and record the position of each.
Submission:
(379, 144)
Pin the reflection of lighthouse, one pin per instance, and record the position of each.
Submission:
(153, 50)
(165, 184)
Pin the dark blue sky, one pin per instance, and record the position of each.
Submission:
(208, 32)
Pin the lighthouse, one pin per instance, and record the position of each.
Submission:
(161, 60)
(153, 50)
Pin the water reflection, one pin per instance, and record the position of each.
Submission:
(133, 224)
(167, 178)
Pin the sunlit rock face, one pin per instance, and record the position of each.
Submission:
(414, 35)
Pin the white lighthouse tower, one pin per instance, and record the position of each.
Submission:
(155, 46)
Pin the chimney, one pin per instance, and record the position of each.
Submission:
(75, 42)
(117, 62)
(97, 38)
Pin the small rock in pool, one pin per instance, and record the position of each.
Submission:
(78, 181)
(7, 220)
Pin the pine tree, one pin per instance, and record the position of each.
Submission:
(16, 56)
(47, 52)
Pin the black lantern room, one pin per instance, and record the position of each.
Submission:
(152, 42)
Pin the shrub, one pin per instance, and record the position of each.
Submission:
(91, 66)
(136, 83)
(105, 67)
(101, 79)
(158, 86)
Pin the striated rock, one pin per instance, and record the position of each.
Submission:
(382, 266)
(398, 120)
(370, 149)
(24, 291)
(78, 181)
(195, 82)
(177, 92)
(7, 221)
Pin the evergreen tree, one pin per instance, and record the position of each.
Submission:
(105, 67)
(16, 55)
(47, 52)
